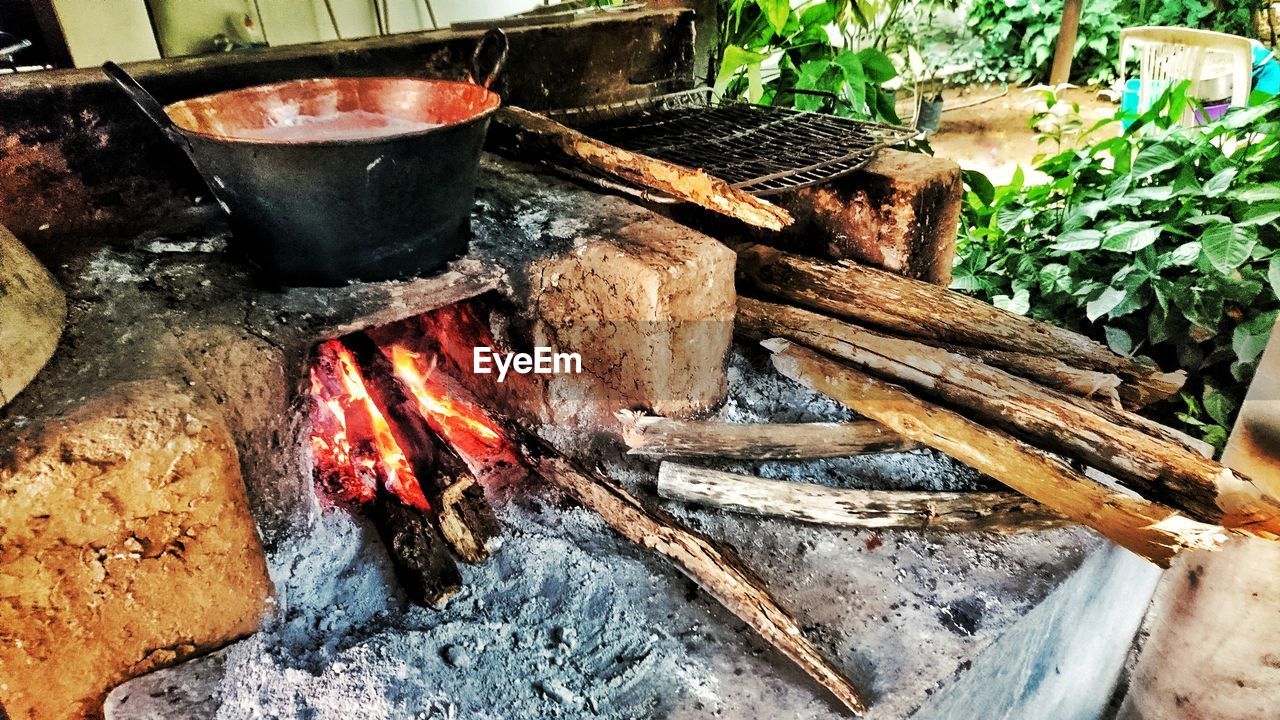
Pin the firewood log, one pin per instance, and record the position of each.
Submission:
(1161, 469)
(462, 514)
(423, 565)
(1001, 512)
(524, 133)
(421, 560)
(1048, 371)
(921, 310)
(714, 567)
(1151, 530)
(664, 437)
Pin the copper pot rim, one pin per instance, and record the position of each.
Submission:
(493, 101)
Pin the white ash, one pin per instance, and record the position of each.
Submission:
(569, 621)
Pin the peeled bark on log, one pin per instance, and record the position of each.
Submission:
(714, 567)
(1002, 512)
(1161, 469)
(663, 437)
(1151, 530)
(922, 310)
(1048, 371)
(522, 133)
(462, 514)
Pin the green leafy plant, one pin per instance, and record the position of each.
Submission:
(777, 54)
(1019, 35)
(1162, 241)
(1019, 38)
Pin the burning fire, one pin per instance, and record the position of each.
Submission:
(352, 442)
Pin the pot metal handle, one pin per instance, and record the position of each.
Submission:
(493, 43)
(146, 102)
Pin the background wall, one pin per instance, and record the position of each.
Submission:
(187, 28)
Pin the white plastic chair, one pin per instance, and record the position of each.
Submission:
(1168, 55)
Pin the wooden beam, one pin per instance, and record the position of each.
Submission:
(524, 133)
(664, 437)
(1154, 531)
(1001, 512)
(921, 310)
(1161, 469)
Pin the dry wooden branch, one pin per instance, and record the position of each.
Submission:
(1154, 531)
(922, 310)
(714, 567)
(664, 437)
(1001, 512)
(463, 517)
(522, 133)
(1162, 469)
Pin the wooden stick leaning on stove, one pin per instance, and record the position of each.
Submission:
(918, 309)
(522, 133)
(1160, 468)
(714, 567)
(663, 437)
(1149, 529)
(1002, 512)
(462, 514)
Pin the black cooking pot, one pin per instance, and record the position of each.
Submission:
(336, 179)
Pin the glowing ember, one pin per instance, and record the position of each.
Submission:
(352, 442)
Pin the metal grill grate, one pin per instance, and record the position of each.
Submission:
(755, 148)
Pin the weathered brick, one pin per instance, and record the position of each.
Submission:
(126, 544)
(650, 308)
(899, 213)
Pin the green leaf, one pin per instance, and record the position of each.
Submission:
(1184, 254)
(1261, 214)
(1106, 301)
(1219, 183)
(1273, 275)
(1131, 236)
(1020, 303)
(1154, 159)
(1118, 340)
(1218, 406)
(877, 65)
(1226, 247)
(819, 15)
(1076, 240)
(735, 58)
(1155, 192)
(1249, 338)
(980, 185)
(776, 12)
(1257, 193)
(1237, 118)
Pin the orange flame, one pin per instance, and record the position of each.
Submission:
(345, 409)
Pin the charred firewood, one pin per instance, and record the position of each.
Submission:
(422, 562)
(460, 510)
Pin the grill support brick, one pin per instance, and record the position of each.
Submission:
(899, 213)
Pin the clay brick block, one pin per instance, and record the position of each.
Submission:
(899, 213)
(649, 308)
(126, 544)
